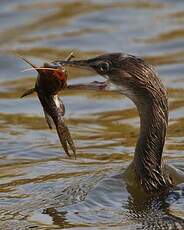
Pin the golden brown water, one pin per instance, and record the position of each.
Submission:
(40, 187)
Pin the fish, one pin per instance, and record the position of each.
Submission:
(50, 81)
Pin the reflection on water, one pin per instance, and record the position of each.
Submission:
(40, 187)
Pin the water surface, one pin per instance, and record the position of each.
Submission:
(40, 187)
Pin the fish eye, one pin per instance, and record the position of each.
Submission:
(103, 67)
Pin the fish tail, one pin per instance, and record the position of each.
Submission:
(65, 137)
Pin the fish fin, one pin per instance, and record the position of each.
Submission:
(48, 119)
(28, 92)
(69, 57)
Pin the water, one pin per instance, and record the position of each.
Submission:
(40, 187)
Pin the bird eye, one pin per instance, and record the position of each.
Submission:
(103, 67)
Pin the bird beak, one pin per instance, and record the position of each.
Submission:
(80, 64)
(88, 64)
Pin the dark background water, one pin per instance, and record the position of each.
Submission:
(39, 186)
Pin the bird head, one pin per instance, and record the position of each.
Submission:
(127, 74)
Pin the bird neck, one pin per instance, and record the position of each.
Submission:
(147, 161)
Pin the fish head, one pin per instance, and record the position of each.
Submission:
(51, 80)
